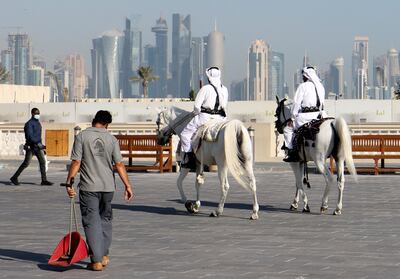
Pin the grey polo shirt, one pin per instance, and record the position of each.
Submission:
(97, 150)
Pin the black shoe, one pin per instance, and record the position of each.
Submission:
(14, 181)
(46, 183)
(189, 161)
(292, 156)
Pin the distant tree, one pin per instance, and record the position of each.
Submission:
(3, 75)
(192, 95)
(145, 75)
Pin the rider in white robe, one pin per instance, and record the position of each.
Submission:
(205, 108)
(306, 107)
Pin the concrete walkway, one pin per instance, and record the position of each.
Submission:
(154, 237)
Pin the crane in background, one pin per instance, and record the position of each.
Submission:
(54, 79)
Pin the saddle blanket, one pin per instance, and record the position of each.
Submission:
(207, 132)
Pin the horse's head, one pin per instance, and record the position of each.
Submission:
(171, 121)
(282, 114)
(164, 132)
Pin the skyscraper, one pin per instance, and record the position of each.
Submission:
(150, 59)
(257, 71)
(215, 50)
(360, 67)
(7, 61)
(77, 78)
(276, 74)
(181, 44)
(107, 54)
(20, 46)
(161, 63)
(393, 68)
(132, 57)
(36, 76)
(335, 77)
(197, 63)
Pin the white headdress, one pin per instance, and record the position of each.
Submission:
(214, 76)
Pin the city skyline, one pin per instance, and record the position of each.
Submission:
(324, 36)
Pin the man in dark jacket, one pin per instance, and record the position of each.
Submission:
(33, 146)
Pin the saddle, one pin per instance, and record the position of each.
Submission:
(310, 130)
(207, 132)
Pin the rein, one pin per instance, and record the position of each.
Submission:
(171, 129)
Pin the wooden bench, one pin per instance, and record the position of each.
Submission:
(375, 147)
(145, 146)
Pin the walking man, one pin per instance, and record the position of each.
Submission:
(94, 152)
(33, 146)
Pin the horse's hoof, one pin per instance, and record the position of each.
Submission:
(190, 207)
(254, 216)
(337, 212)
(292, 208)
(214, 214)
(324, 209)
(306, 209)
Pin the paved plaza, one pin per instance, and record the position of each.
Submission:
(154, 237)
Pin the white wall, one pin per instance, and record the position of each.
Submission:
(11, 93)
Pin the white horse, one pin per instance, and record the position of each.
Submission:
(232, 151)
(333, 140)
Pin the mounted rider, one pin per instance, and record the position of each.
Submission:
(308, 105)
(210, 103)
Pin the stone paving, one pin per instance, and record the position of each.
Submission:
(154, 237)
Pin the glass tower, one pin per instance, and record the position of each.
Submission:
(181, 45)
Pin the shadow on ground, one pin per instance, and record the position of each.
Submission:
(40, 259)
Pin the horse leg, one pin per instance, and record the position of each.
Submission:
(253, 187)
(324, 170)
(298, 174)
(340, 184)
(182, 174)
(199, 182)
(223, 178)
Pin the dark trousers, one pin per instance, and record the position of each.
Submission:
(28, 158)
(97, 222)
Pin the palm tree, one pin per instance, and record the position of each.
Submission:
(3, 75)
(145, 75)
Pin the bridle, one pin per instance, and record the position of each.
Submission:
(279, 124)
(171, 129)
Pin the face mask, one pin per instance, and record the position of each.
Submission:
(37, 116)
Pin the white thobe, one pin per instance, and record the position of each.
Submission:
(206, 98)
(305, 97)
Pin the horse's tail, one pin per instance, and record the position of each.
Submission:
(345, 145)
(239, 153)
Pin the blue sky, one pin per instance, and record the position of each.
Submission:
(325, 29)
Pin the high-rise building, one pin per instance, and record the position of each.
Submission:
(215, 50)
(161, 59)
(39, 61)
(393, 68)
(63, 77)
(238, 90)
(335, 78)
(77, 77)
(197, 63)
(20, 46)
(36, 76)
(181, 44)
(107, 55)
(7, 61)
(257, 71)
(380, 77)
(276, 74)
(150, 59)
(298, 75)
(360, 67)
(132, 57)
